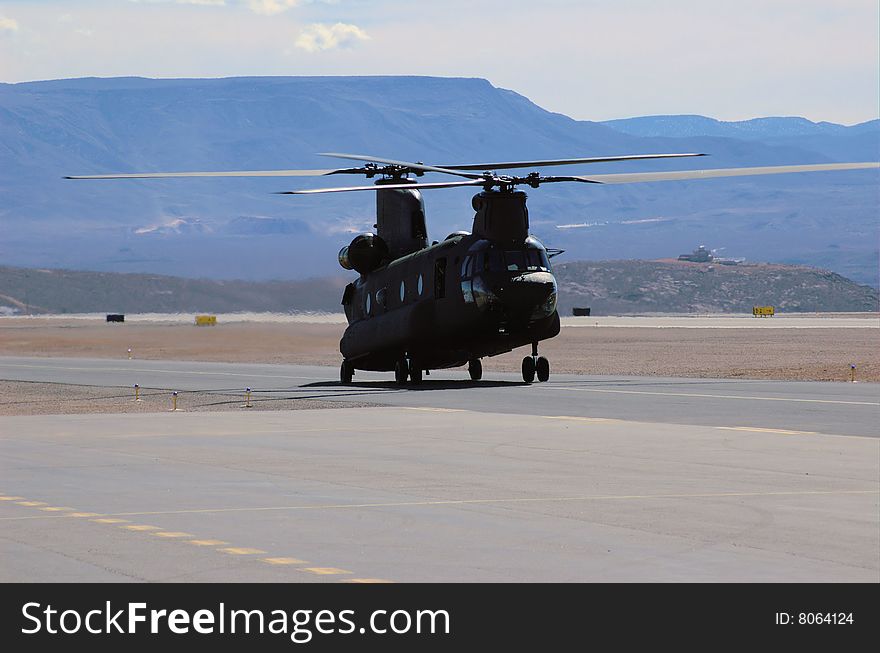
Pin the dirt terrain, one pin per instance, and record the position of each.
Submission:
(755, 352)
(816, 354)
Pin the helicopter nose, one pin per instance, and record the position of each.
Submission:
(534, 292)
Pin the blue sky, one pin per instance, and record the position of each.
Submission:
(585, 58)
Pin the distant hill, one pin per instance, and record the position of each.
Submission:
(240, 229)
(607, 287)
(677, 126)
(34, 291)
(621, 287)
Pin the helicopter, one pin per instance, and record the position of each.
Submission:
(417, 307)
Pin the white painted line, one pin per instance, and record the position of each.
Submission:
(708, 396)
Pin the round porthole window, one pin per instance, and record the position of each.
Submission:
(402, 290)
(367, 306)
(420, 286)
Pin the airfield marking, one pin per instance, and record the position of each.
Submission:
(180, 536)
(457, 502)
(694, 394)
(575, 418)
(326, 571)
(241, 551)
(285, 561)
(756, 429)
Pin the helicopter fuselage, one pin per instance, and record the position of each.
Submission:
(458, 300)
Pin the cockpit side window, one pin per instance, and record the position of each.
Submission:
(538, 259)
(466, 267)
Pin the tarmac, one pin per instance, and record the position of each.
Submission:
(578, 479)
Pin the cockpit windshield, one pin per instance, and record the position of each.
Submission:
(515, 260)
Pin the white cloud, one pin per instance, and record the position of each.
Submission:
(8, 24)
(271, 7)
(320, 36)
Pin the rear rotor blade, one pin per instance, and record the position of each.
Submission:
(442, 184)
(403, 164)
(679, 175)
(233, 173)
(506, 165)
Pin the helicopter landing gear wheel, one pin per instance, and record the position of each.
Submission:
(346, 372)
(528, 369)
(475, 369)
(401, 371)
(542, 369)
(415, 372)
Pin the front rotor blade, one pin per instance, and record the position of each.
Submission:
(442, 184)
(679, 175)
(402, 164)
(232, 173)
(506, 165)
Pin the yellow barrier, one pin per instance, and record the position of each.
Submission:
(763, 311)
(206, 320)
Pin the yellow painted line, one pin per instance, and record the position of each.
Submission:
(140, 527)
(32, 504)
(581, 419)
(708, 396)
(242, 551)
(11, 498)
(285, 561)
(327, 571)
(366, 580)
(171, 534)
(206, 542)
(756, 429)
(82, 514)
(109, 520)
(55, 509)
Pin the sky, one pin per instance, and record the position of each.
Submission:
(589, 59)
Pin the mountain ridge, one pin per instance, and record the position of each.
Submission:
(92, 125)
(608, 287)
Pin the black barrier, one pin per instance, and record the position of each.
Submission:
(115, 317)
(580, 312)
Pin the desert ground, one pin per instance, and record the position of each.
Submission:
(753, 348)
(784, 347)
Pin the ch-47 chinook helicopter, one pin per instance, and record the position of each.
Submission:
(417, 307)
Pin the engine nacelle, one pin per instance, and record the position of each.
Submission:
(365, 253)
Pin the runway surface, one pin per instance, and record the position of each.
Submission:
(579, 479)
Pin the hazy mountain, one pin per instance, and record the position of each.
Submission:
(33, 291)
(607, 287)
(756, 128)
(620, 287)
(237, 228)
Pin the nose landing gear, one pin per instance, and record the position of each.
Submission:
(535, 365)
